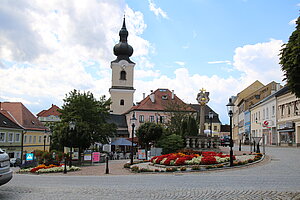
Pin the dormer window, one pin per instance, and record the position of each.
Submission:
(4, 122)
(164, 97)
(32, 122)
(122, 75)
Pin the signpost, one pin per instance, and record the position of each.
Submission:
(29, 156)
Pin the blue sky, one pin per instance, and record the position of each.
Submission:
(49, 48)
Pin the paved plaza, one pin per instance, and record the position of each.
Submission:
(278, 178)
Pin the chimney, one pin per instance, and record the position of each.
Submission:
(152, 96)
(144, 95)
(172, 94)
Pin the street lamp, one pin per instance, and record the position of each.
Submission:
(71, 128)
(211, 116)
(132, 120)
(230, 106)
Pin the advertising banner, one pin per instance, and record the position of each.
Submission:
(141, 154)
(96, 156)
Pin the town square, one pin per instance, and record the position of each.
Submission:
(150, 102)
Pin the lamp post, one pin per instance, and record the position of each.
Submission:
(132, 120)
(72, 125)
(210, 116)
(45, 142)
(230, 106)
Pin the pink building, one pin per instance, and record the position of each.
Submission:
(154, 108)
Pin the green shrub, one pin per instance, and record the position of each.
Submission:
(209, 167)
(157, 170)
(250, 161)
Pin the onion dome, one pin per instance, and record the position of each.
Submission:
(123, 50)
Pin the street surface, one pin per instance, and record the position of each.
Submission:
(277, 179)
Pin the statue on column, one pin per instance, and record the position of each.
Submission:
(202, 99)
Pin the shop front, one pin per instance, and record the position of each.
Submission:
(286, 132)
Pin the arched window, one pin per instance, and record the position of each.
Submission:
(122, 102)
(122, 75)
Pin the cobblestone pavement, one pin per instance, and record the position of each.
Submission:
(277, 179)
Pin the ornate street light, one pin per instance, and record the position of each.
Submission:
(132, 120)
(72, 125)
(230, 106)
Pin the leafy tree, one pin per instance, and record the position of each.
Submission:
(90, 117)
(178, 113)
(149, 132)
(290, 60)
(171, 143)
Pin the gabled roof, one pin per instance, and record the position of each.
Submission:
(51, 111)
(22, 115)
(5, 122)
(162, 100)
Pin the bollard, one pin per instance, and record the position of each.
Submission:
(106, 170)
(65, 169)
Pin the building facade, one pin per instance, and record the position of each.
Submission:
(35, 135)
(10, 136)
(288, 118)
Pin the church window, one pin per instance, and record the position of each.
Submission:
(122, 102)
(122, 75)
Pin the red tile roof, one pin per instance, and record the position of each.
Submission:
(51, 111)
(22, 115)
(163, 100)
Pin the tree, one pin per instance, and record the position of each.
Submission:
(189, 127)
(171, 143)
(290, 60)
(90, 117)
(178, 113)
(149, 132)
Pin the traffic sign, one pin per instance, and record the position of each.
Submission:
(29, 156)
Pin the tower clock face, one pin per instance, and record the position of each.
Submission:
(123, 67)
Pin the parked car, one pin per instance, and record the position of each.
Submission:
(15, 162)
(225, 140)
(5, 171)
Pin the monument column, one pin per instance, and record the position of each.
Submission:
(202, 99)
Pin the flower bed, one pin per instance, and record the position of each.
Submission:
(179, 159)
(48, 169)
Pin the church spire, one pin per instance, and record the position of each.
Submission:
(123, 50)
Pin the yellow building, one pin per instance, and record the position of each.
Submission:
(35, 135)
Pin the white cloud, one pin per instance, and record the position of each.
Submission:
(157, 10)
(187, 86)
(259, 62)
(293, 22)
(180, 63)
(48, 48)
(220, 62)
(139, 74)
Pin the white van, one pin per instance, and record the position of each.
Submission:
(5, 171)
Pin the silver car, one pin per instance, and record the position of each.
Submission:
(5, 171)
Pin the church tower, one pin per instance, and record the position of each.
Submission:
(121, 91)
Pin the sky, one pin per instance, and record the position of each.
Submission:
(48, 48)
